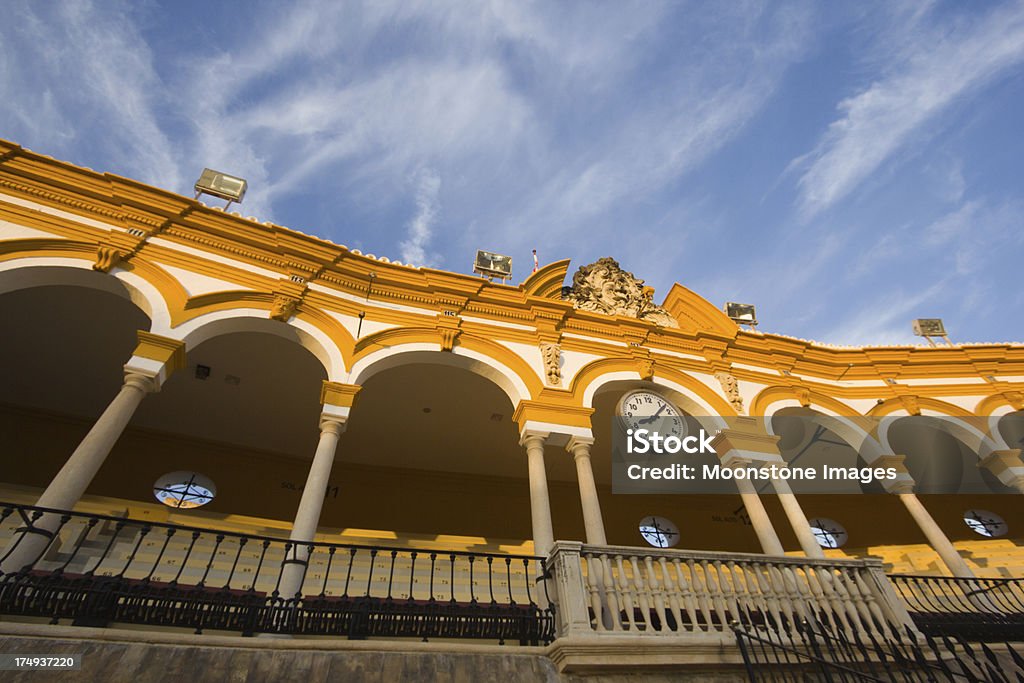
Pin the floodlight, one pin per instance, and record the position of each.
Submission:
(490, 264)
(221, 185)
(741, 314)
(929, 327)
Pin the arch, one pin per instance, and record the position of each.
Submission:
(230, 320)
(781, 396)
(964, 426)
(996, 405)
(41, 271)
(855, 431)
(689, 393)
(461, 356)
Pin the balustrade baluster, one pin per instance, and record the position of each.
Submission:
(672, 592)
(689, 603)
(626, 594)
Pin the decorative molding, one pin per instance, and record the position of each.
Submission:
(284, 307)
(106, 258)
(338, 394)
(911, 404)
(448, 337)
(552, 355)
(732, 390)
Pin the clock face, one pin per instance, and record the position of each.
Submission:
(647, 410)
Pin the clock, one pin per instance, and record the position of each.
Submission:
(643, 409)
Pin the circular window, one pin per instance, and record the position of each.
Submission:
(659, 532)
(985, 523)
(184, 490)
(828, 533)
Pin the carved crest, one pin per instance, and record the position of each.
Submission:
(603, 287)
(552, 355)
(732, 390)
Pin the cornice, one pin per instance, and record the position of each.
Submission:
(133, 206)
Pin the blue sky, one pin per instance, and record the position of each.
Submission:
(847, 167)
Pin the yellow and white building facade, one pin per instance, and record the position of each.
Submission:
(336, 396)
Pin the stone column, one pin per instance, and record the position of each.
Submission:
(1007, 466)
(903, 486)
(740, 448)
(540, 506)
(797, 519)
(307, 519)
(769, 540)
(592, 520)
(154, 360)
(337, 400)
(936, 539)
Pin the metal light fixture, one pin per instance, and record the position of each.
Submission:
(741, 314)
(221, 185)
(931, 327)
(493, 265)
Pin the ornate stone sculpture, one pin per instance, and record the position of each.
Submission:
(283, 308)
(603, 287)
(552, 355)
(732, 390)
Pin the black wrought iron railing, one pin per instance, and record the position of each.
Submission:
(99, 569)
(974, 608)
(815, 652)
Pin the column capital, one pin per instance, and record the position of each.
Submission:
(903, 483)
(1007, 466)
(747, 443)
(156, 357)
(144, 382)
(337, 400)
(530, 437)
(579, 446)
(333, 424)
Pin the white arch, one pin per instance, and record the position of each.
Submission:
(862, 442)
(217, 323)
(40, 271)
(969, 435)
(682, 396)
(423, 352)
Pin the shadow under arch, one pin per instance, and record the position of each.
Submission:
(942, 453)
(218, 323)
(809, 437)
(29, 273)
(500, 374)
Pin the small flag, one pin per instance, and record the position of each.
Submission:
(535, 260)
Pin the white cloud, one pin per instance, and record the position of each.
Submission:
(102, 89)
(933, 67)
(886, 321)
(428, 188)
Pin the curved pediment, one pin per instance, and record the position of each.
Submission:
(695, 313)
(547, 282)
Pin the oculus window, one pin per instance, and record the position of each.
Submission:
(659, 532)
(184, 490)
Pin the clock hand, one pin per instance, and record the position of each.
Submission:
(652, 418)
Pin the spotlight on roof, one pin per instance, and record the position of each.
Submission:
(492, 265)
(221, 185)
(931, 327)
(741, 314)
